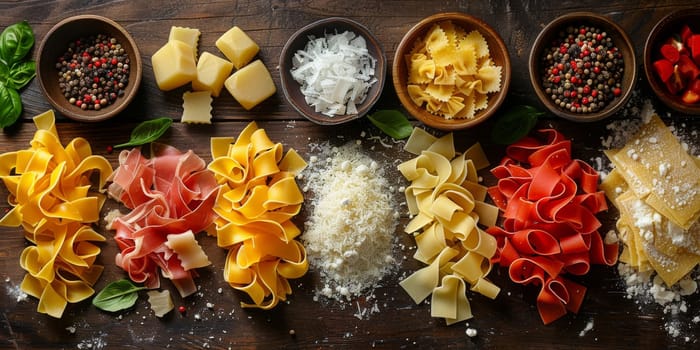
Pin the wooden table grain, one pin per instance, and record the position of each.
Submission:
(509, 321)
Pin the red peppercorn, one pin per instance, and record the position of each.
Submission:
(114, 61)
(573, 94)
(110, 149)
(599, 37)
(617, 91)
(594, 93)
(181, 309)
(596, 70)
(96, 79)
(573, 65)
(79, 103)
(584, 100)
(97, 64)
(555, 71)
(580, 43)
(574, 80)
(556, 79)
(582, 31)
(586, 90)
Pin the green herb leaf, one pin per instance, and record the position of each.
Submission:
(147, 132)
(15, 42)
(514, 124)
(10, 105)
(392, 123)
(116, 296)
(21, 74)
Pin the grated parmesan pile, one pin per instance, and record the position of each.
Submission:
(350, 233)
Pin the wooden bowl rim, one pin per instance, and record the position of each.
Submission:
(664, 25)
(298, 103)
(399, 75)
(62, 105)
(629, 77)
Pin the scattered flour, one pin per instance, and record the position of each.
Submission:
(588, 328)
(14, 291)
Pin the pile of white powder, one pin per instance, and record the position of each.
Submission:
(350, 233)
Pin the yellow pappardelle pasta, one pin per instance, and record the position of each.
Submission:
(656, 186)
(258, 197)
(451, 73)
(50, 194)
(447, 202)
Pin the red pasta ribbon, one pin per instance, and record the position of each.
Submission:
(548, 203)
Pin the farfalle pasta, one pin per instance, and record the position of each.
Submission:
(171, 196)
(53, 199)
(450, 72)
(548, 202)
(447, 204)
(259, 196)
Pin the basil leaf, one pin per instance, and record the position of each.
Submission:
(21, 74)
(392, 123)
(10, 105)
(15, 42)
(514, 124)
(4, 72)
(147, 131)
(116, 296)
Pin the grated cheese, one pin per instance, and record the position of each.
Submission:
(349, 235)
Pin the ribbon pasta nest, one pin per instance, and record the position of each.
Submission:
(258, 198)
(53, 199)
(549, 202)
(448, 203)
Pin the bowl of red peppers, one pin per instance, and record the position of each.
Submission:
(672, 60)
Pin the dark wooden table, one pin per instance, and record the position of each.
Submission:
(509, 321)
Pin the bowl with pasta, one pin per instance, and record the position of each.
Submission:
(451, 71)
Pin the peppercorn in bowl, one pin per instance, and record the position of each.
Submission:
(582, 67)
(332, 71)
(451, 71)
(89, 68)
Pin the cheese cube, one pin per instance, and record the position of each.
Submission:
(196, 107)
(189, 36)
(173, 65)
(251, 84)
(237, 46)
(212, 71)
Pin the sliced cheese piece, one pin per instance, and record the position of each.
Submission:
(196, 107)
(212, 71)
(173, 65)
(188, 250)
(161, 302)
(189, 36)
(251, 84)
(237, 46)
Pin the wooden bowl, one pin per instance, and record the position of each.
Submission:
(298, 41)
(497, 51)
(55, 44)
(620, 39)
(667, 27)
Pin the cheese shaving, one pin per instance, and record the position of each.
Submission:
(335, 72)
(50, 196)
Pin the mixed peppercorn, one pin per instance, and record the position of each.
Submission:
(582, 70)
(93, 72)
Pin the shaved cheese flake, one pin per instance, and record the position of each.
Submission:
(188, 250)
(161, 303)
(335, 72)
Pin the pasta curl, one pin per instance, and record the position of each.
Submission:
(447, 204)
(52, 198)
(259, 196)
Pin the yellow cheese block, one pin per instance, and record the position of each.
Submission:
(237, 46)
(173, 65)
(189, 36)
(212, 71)
(196, 107)
(251, 84)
